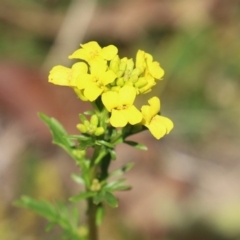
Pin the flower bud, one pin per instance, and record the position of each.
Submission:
(99, 131)
(122, 67)
(114, 64)
(94, 120)
(120, 82)
(86, 123)
(128, 83)
(96, 186)
(141, 82)
(82, 128)
(130, 65)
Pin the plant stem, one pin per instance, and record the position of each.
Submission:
(92, 226)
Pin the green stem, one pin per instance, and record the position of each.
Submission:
(92, 226)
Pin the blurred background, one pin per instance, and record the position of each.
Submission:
(187, 185)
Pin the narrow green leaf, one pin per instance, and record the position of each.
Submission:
(113, 154)
(136, 145)
(89, 112)
(81, 196)
(107, 144)
(122, 170)
(78, 179)
(121, 188)
(59, 134)
(110, 199)
(82, 117)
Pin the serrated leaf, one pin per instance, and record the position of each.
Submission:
(110, 199)
(81, 196)
(136, 145)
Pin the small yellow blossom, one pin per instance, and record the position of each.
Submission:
(64, 76)
(145, 62)
(94, 83)
(120, 104)
(157, 125)
(92, 52)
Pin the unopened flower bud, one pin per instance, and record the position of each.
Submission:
(122, 67)
(99, 131)
(96, 186)
(114, 64)
(128, 83)
(86, 123)
(120, 82)
(141, 82)
(82, 128)
(130, 65)
(94, 120)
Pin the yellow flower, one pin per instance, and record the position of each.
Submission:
(64, 76)
(144, 61)
(94, 83)
(157, 125)
(120, 104)
(92, 52)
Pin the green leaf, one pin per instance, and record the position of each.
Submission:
(81, 196)
(113, 154)
(110, 199)
(107, 144)
(121, 188)
(59, 134)
(89, 112)
(136, 145)
(82, 117)
(99, 214)
(122, 170)
(78, 179)
(98, 198)
(56, 215)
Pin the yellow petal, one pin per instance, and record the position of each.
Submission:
(80, 53)
(91, 46)
(160, 126)
(110, 100)
(118, 118)
(109, 52)
(154, 103)
(60, 75)
(92, 91)
(78, 69)
(133, 114)
(155, 70)
(108, 77)
(83, 80)
(127, 95)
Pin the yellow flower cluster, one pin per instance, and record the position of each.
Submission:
(117, 81)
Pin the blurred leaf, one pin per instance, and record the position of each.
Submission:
(78, 179)
(122, 170)
(83, 195)
(136, 145)
(59, 134)
(56, 215)
(111, 199)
